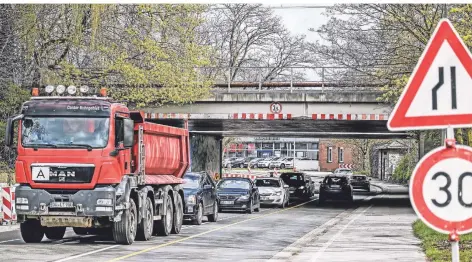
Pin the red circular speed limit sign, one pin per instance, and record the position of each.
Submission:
(275, 108)
(440, 189)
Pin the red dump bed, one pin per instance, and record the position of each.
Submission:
(167, 152)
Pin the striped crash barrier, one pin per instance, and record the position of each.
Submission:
(350, 166)
(8, 204)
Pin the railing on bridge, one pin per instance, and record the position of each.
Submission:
(293, 79)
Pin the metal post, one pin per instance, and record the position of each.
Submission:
(229, 79)
(322, 79)
(291, 79)
(455, 251)
(260, 81)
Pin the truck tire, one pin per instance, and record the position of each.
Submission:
(178, 215)
(145, 227)
(32, 231)
(163, 227)
(80, 231)
(214, 217)
(124, 231)
(55, 233)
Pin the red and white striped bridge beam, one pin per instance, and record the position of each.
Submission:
(265, 116)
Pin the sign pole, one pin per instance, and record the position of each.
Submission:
(454, 239)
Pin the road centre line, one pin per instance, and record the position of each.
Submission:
(205, 233)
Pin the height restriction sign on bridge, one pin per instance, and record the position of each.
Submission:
(438, 92)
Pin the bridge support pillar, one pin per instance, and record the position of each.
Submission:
(206, 154)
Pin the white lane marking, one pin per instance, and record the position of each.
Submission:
(327, 244)
(86, 254)
(11, 240)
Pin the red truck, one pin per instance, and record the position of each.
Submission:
(92, 164)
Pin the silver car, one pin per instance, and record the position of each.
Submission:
(286, 162)
(273, 191)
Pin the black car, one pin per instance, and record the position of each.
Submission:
(360, 182)
(238, 194)
(200, 197)
(300, 185)
(336, 187)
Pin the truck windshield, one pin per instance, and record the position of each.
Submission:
(65, 132)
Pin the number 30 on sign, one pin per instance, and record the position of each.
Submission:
(440, 189)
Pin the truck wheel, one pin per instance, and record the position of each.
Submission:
(124, 231)
(178, 215)
(145, 227)
(55, 233)
(199, 217)
(163, 227)
(80, 231)
(213, 217)
(32, 231)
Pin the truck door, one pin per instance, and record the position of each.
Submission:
(124, 156)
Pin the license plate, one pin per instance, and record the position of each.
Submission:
(227, 202)
(264, 198)
(335, 186)
(40, 173)
(61, 204)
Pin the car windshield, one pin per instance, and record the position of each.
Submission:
(335, 180)
(233, 184)
(191, 181)
(359, 177)
(65, 132)
(267, 183)
(343, 171)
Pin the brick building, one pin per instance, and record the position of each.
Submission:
(332, 153)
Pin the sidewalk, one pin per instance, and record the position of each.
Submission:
(390, 188)
(370, 233)
(9, 228)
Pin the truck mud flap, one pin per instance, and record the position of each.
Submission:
(65, 221)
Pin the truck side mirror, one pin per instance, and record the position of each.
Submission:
(9, 130)
(128, 132)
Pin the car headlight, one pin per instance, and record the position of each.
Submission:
(22, 200)
(191, 200)
(278, 193)
(302, 187)
(244, 197)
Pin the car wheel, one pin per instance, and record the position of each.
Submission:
(283, 204)
(282, 166)
(250, 210)
(199, 218)
(213, 217)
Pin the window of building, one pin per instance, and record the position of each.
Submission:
(341, 154)
(330, 154)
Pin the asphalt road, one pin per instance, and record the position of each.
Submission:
(235, 237)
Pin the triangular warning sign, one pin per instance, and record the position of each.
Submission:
(439, 90)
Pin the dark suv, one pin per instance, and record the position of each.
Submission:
(300, 185)
(336, 187)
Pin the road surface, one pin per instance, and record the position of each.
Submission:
(378, 224)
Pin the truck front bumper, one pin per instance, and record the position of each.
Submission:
(98, 202)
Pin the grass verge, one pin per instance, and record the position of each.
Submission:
(437, 247)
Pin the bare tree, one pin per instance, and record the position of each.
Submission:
(244, 35)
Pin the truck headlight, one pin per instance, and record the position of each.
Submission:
(191, 200)
(244, 197)
(104, 202)
(21, 200)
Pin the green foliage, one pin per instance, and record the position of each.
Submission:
(405, 167)
(147, 54)
(436, 245)
(10, 103)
